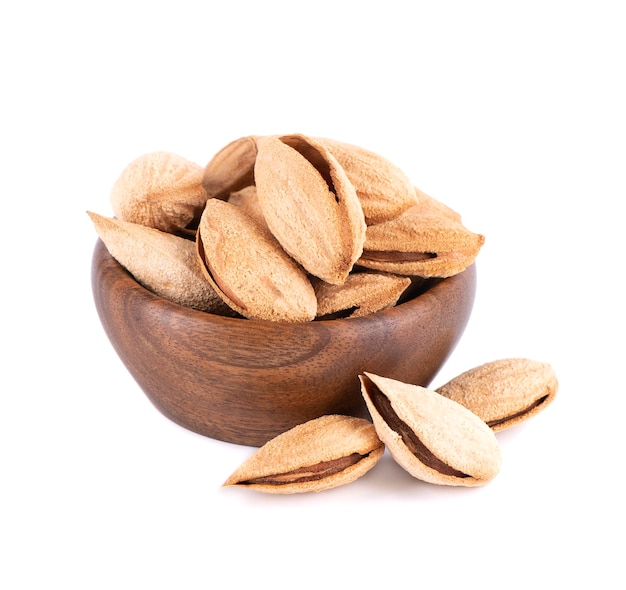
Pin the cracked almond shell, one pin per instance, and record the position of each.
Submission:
(248, 268)
(362, 293)
(320, 454)
(309, 205)
(504, 392)
(160, 190)
(422, 243)
(435, 439)
(231, 169)
(384, 190)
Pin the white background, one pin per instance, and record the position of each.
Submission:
(511, 113)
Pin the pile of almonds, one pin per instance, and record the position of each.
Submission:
(297, 228)
(444, 436)
(281, 228)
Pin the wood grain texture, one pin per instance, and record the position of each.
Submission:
(246, 381)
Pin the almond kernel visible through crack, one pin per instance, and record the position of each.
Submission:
(504, 392)
(320, 454)
(433, 438)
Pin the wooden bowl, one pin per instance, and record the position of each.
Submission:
(246, 381)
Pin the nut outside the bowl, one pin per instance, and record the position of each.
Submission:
(247, 381)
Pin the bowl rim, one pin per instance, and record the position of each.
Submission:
(421, 297)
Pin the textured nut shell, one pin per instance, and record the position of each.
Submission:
(384, 190)
(247, 199)
(231, 169)
(449, 431)
(365, 292)
(389, 246)
(429, 205)
(163, 263)
(504, 392)
(315, 215)
(248, 268)
(160, 190)
(319, 440)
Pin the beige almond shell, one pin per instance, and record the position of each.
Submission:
(249, 269)
(309, 205)
(422, 244)
(164, 263)
(362, 292)
(447, 430)
(504, 392)
(231, 169)
(431, 206)
(384, 190)
(248, 200)
(160, 190)
(322, 440)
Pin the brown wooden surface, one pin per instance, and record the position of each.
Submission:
(246, 381)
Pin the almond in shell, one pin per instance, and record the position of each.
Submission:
(164, 263)
(318, 455)
(231, 169)
(161, 190)
(504, 392)
(422, 243)
(309, 205)
(432, 437)
(248, 268)
(361, 294)
(384, 190)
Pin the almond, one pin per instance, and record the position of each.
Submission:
(164, 263)
(160, 190)
(249, 269)
(504, 392)
(318, 455)
(309, 205)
